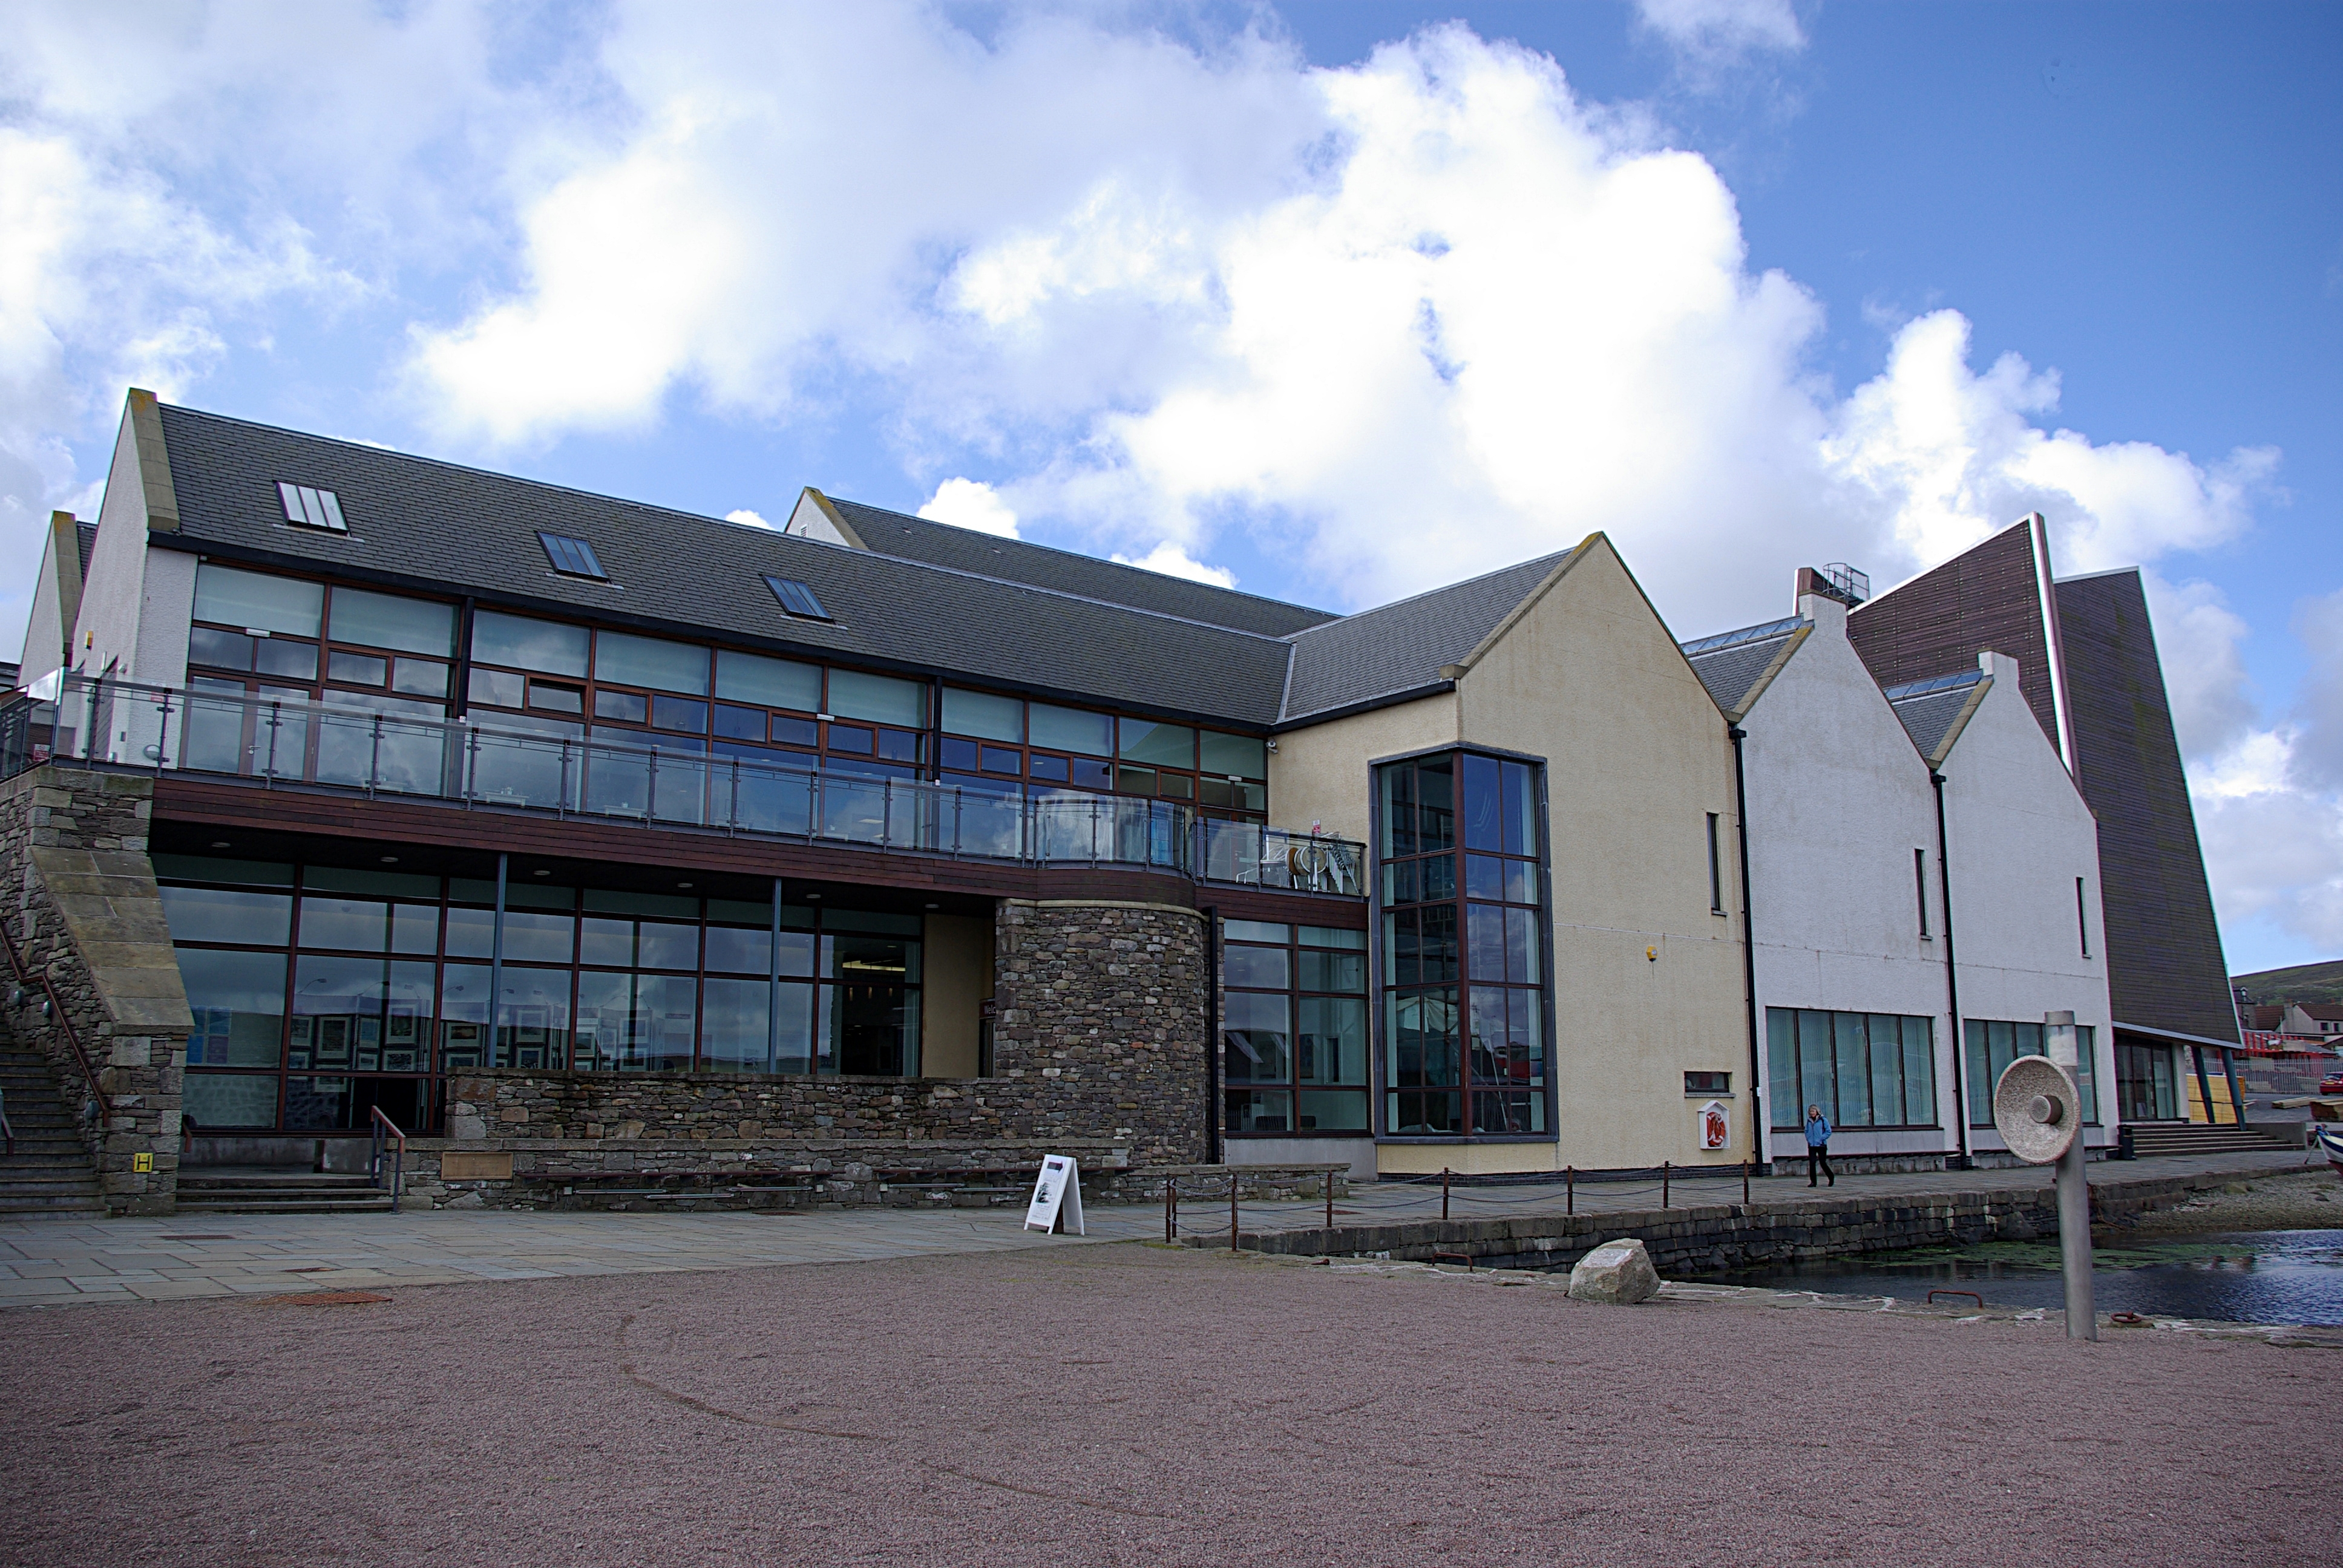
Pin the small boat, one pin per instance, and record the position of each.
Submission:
(2330, 1139)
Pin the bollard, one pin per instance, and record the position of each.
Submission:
(1329, 1200)
(1570, 1189)
(1443, 1192)
(1664, 1184)
(1232, 1210)
(1744, 1183)
(1171, 1209)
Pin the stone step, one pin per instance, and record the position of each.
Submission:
(29, 1157)
(279, 1204)
(82, 1187)
(75, 1204)
(194, 1178)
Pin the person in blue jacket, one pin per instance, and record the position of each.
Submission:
(1818, 1145)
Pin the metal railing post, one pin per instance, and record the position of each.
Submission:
(374, 758)
(275, 715)
(163, 733)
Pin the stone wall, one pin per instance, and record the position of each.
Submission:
(1099, 1052)
(81, 903)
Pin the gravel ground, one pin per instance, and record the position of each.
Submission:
(2309, 1200)
(1128, 1404)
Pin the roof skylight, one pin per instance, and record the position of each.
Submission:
(311, 507)
(797, 598)
(572, 558)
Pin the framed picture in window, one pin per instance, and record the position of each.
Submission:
(401, 1028)
(399, 1060)
(367, 1035)
(333, 1040)
(460, 1046)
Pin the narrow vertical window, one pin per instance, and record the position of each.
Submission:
(2082, 918)
(1920, 886)
(1716, 871)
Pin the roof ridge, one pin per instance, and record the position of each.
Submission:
(1717, 641)
(1427, 593)
(1094, 561)
(1931, 685)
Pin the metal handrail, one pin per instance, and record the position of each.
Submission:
(7, 1128)
(102, 721)
(381, 1125)
(57, 1008)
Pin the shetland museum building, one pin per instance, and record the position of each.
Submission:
(584, 845)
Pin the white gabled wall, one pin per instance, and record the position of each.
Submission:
(1838, 801)
(2019, 835)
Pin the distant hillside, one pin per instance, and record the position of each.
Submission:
(2304, 983)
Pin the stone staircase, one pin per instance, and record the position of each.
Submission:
(264, 1190)
(2149, 1138)
(50, 1170)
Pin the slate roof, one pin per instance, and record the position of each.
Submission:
(1731, 663)
(474, 532)
(1066, 571)
(1380, 653)
(1933, 710)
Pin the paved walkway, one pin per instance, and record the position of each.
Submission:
(58, 1262)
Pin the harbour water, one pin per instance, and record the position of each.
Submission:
(2247, 1277)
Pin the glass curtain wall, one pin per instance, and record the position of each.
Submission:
(1462, 895)
(343, 667)
(320, 992)
(1293, 1029)
(1866, 1070)
(1994, 1044)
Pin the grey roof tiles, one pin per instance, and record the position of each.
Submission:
(1731, 663)
(1380, 653)
(1931, 711)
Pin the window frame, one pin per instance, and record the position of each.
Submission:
(1293, 1084)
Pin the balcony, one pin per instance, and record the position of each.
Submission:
(69, 718)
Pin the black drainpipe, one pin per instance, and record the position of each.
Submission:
(1211, 1035)
(1959, 1161)
(1760, 1136)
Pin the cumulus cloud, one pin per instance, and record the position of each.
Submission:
(1172, 561)
(971, 504)
(747, 518)
(1389, 325)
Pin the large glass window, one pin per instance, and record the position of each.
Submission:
(319, 994)
(1293, 1029)
(1994, 1044)
(1864, 1068)
(2148, 1082)
(1462, 924)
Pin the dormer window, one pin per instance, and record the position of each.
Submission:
(572, 558)
(311, 507)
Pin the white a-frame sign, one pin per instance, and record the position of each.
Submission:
(1057, 1203)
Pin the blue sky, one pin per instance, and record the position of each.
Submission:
(1334, 300)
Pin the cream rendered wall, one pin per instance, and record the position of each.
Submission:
(1838, 800)
(1320, 774)
(956, 975)
(1587, 677)
(113, 599)
(2019, 834)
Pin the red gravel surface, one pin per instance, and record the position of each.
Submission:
(1125, 1404)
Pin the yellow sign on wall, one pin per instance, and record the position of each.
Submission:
(142, 1162)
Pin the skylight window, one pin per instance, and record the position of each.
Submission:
(797, 598)
(572, 558)
(311, 507)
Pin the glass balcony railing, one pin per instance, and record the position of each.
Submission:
(381, 754)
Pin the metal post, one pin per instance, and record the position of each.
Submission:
(1233, 1208)
(1744, 1183)
(1443, 1192)
(1664, 1185)
(1570, 1189)
(2074, 1197)
(1329, 1200)
(1171, 1209)
(496, 965)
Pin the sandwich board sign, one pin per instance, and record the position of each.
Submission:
(1057, 1204)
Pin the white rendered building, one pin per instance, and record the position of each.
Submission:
(1861, 988)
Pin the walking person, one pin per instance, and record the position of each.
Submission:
(1818, 1145)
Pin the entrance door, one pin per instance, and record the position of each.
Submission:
(2148, 1082)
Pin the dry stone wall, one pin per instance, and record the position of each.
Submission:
(83, 911)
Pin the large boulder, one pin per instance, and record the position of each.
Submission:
(1619, 1273)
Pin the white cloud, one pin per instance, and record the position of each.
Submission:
(1172, 561)
(1710, 30)
(971, 504)
(747, 518)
